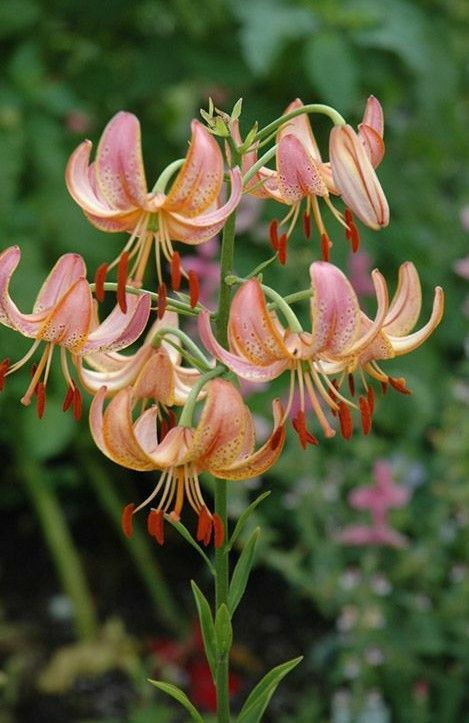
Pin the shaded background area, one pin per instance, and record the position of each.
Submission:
(383, 632)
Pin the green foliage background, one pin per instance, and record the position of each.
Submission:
(67, 67)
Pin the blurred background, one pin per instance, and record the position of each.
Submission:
(86, 615)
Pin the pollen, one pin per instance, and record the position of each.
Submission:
(122, 271)
(99, 279)
(194, 288)
(155, 525)
(127, 519)
(176, 271)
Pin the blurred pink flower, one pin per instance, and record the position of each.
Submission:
(461, 267)
(360, 266)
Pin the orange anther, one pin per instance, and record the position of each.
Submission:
(194, 288)
(176, 271)
(77, 404)
(351, 384)
(307, 225)
(3, 370)
(299, 425)
(351, 232)
(384, 387)
(68, 399)
(282, 249)
(325, 246)
(273, 233)
(99, 279)
(155, 525)
(122, 280)
(162, 300)
(204, 526)
(219, 531)
(126, 519)
(398, 383)
(41, 399)
(345, 419)
(365, 414)
(371, 399)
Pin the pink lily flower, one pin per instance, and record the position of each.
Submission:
(222, 444)
(113, 193)
(342, 340)
(301, 174)
(64, 315)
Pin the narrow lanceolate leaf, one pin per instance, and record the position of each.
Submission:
(184, 532)
(242, 571)
(207, 626)
(245, 516)
(223, 630)
(180, 696)
(258, 700)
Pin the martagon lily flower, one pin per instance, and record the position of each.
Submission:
(222, 444)
(342, 340)
(113, 193)
(301, 174)
(64, 316)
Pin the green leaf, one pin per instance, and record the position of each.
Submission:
(184, 532)
(206, 626)
(236, 112)
(330, 65)
(258, 700)
(241, 572)
(244, 518)
(223, 630)
(180, 696)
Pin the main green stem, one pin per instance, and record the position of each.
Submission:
(222, 553)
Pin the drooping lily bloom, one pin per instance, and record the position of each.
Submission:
(64, 315)
(342, 340)
(222, 443)
(154, 373)
(301, 174)
(113, 193)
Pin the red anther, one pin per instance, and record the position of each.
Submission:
(155, 525)
(398, 383)
(365, 414)
(99, 279)
(208, 534)
(162, 300)
(325, 246)
(276, 437)
(345, 420)
(351, 384)
(307, 225)
(299, 425)
(219, 531)
(41, 399)
(370, 395)
(3, 370)
(348, 220)
(126, 519)
(282, 249)
(351, 232)
(204, 526)
(273, 233)
(176, 271)
(164, 429)
(68, 399)
(33, 369)
(122, 281)
(77, 404)
(171, 419)
(384, 387)
(194, 288)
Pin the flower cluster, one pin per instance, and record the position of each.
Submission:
(143, 412)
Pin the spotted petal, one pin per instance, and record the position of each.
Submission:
(298, 172)
(119, 330)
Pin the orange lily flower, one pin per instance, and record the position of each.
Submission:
(113, 193)
(302, 174)
(222, 444)
(342, 340)
(64, 315)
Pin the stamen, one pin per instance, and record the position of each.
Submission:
(351, 384)
(99, 279)
(40, 392)
(326, 427)
(365, 414)
(194, 288)
(122, 280)
(126, 519)
(399, 384)
(68, 398)
(176, 271)
(155, 525)
(282, 249)
(351, 232)
(162, 300)
(204, 526)
(299, 425)
(77, 404)
(3, 371)
(219, 531)
(325, 246)
(345, 420)
(307, 225)
(273, 233)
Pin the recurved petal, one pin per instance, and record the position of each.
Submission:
(258, 462)
(300, 127)
(199, 181)
(405, 307)
(298, 172)
(335, 311)
(375, 327)
(119, 374)
(196, 229)
(219, 435)
(113, 431)
(68, 269)
(119, 330)
(156, 379)
(405, 344)
(10, 315)
(355, 178)
(120, 174)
